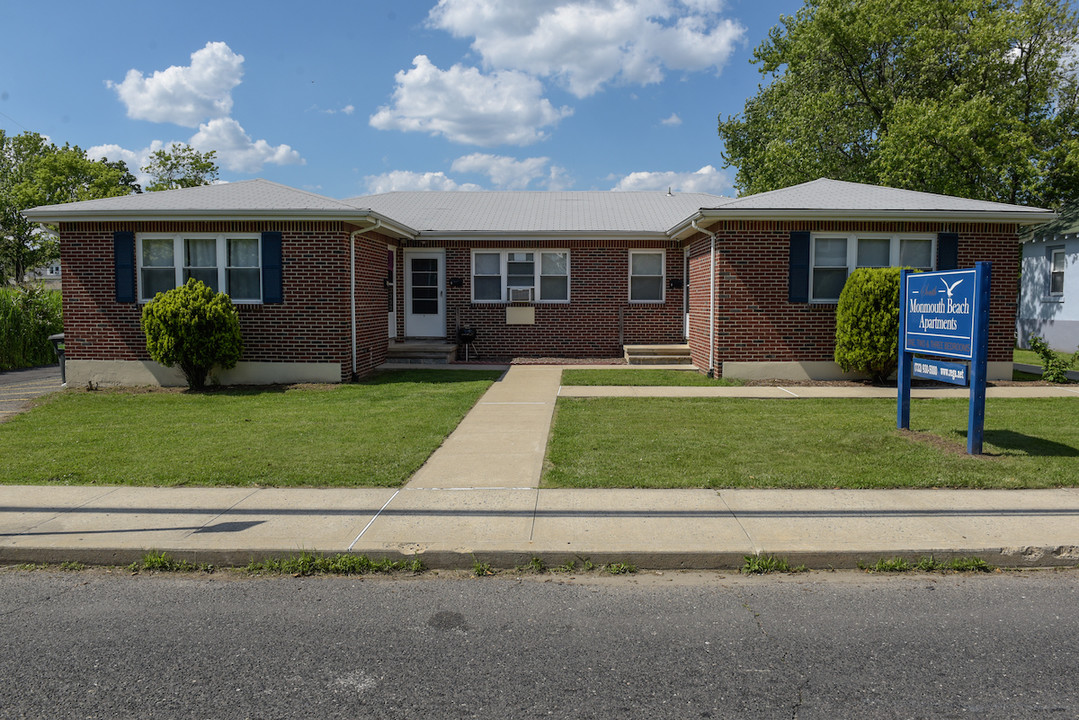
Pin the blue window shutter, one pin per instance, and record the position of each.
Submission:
(947, 251)
(798, 280)
(123, 255)
(271, 267)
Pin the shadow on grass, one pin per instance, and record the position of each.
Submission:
(423, 376)
(430, 376)
(1027, 444)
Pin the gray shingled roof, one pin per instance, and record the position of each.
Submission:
(538, 212)
(246, 197)
(829, 196)
(530, 213)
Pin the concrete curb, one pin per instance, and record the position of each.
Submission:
(1017, 557)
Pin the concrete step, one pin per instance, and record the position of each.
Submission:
(421, 352)
(659, 360)
(657, 354)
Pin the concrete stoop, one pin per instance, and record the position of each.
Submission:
(657, 354)
(421, 352)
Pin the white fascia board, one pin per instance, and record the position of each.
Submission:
(527, 237)
(212, 215)
(1028, 217)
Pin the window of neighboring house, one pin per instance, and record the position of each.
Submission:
(834, 257)
(507, 275)
(224, 263)
(1056, 272)
(646, 273)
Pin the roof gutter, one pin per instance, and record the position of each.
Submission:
(51, 214)
(1022, 217)
(711, 297)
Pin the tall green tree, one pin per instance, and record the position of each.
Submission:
(181, 166)
(34, 171)
(977, 98)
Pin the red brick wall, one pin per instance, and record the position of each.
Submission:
(586, 327)
(311, 325)
(756, 323)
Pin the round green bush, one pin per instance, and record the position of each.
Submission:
(193, 328)
(867, 323)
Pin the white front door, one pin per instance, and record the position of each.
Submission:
(425, 293)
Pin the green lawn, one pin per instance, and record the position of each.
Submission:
(375, 433)
(624, 376)
(1027, 357)
(848, 443)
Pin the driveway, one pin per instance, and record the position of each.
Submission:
(18, 387)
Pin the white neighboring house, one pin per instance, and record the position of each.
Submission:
(1049, 293)
(49, 274)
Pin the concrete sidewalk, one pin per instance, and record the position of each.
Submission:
(477, 498)
(660, 529)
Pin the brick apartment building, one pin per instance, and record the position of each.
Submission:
(324, 287)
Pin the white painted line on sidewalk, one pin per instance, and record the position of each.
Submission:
(789, 392)
(368, 525)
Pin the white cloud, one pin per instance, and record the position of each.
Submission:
(235, 149)
(672, 120)
(467, 106)
(198, 95)
(346, 110)
(184, 95)
(406, 180)
(705, 180)
(589, 43)
(507, 173)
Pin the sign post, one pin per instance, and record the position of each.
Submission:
(945, 314)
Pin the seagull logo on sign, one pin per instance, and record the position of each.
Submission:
(950, 288)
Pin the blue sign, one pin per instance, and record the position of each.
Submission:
(940, 308)
(945, 313)
(954, 373)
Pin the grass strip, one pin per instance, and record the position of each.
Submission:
(765, 564)
(375, 433)
(808, 443)
(644, 378)
(927, 563)
(307, 563)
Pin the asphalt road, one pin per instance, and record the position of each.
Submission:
(826, 645)
(18, 387)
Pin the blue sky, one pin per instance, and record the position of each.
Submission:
(351, 98)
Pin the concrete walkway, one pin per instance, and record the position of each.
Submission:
(477, 498)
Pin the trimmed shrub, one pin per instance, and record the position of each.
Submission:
(1055, 366)
(28, 316)
(867, 323)
(193, 328)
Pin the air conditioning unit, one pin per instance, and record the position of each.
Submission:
(525, 294)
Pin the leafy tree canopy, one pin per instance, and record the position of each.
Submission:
(34, 171)
(181, 166)
(976, 98)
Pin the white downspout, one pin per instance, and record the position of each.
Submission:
(711, 299)
(352, 284)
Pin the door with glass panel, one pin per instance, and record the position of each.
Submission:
(425, 293)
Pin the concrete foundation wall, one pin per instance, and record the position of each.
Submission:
(146, 372)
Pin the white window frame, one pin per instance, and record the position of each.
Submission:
(1053, 253)
(221, 249)
(895, 240)
(537, 273)
(662, 276)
